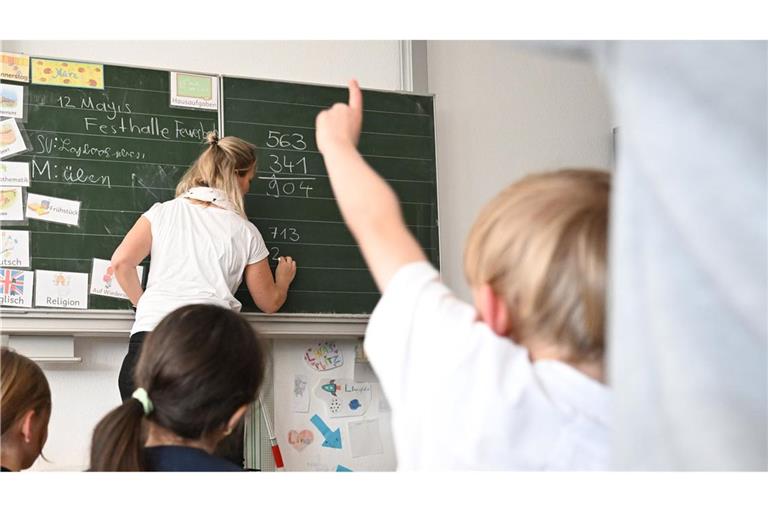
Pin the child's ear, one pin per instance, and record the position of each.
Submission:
(493, 310)
(27, 425)
(232, 423)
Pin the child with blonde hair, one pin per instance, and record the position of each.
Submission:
(516, 382)
(25, 407)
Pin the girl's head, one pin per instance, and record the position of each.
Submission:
(200, 367)
(227, 164)
(536, 259)
(24, 411)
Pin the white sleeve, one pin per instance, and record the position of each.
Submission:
(418, 331)
(257, 248)
(153, 213)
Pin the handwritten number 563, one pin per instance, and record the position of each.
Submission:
(276, 139)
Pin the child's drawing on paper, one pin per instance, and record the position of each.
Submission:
(300, 396)
(300, 440)
(344, 397)
(324, 356)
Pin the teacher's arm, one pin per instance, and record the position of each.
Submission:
(131, 251)
(269, 294)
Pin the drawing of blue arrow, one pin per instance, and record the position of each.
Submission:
(332, 438)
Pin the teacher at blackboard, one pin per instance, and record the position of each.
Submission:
(202, 245)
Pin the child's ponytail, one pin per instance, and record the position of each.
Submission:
(118, 442)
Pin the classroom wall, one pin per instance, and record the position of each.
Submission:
(502, 111)
(83, 393)
(376, 64)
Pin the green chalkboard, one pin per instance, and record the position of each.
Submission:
(291, 201)
(116, 150)
(123, 148)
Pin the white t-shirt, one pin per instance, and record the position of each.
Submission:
(464, 398)
(199, 255)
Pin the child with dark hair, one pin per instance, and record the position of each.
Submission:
(197, 373)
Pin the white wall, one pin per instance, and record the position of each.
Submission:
(376, 64)
(503, 111)
(83, 393)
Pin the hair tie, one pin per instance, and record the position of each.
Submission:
(141, 395)
(212, 138)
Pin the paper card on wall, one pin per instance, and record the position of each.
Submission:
(364, 438)
(16, 287)
(11, 141)
(344, 397)
(14, 67)
(332, 438)
(61, 289)
(15, 248)
(12, 101)
(11, 207)
(53, 209)
(67, 73)
(312, 465)
(194, 91)
(323, 356)
(103, 281)
(14, 174)
(300, 439)
(300, 394)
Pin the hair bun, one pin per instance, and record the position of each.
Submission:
(212, 137)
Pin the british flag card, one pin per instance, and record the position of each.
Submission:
(16, 287)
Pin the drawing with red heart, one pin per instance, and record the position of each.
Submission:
(300, 440)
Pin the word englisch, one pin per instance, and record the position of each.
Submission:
(8, 299)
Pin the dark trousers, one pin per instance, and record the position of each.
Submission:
(231, 448)
(125, 379)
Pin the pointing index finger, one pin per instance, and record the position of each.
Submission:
(355, 96)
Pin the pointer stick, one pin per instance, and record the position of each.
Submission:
(272, 439)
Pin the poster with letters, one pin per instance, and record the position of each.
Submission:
(16, 287)
(53, 209)
(56, 289)
(15, 248)
(104, 282)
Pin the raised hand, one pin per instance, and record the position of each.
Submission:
(339, 126)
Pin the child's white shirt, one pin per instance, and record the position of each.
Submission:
(464, 398)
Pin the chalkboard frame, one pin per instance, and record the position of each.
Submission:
(54, 320)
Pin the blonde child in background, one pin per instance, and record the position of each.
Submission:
(25, 405)
(516, 382)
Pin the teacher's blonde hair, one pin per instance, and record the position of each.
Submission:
(541, 244)
(219, 166)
